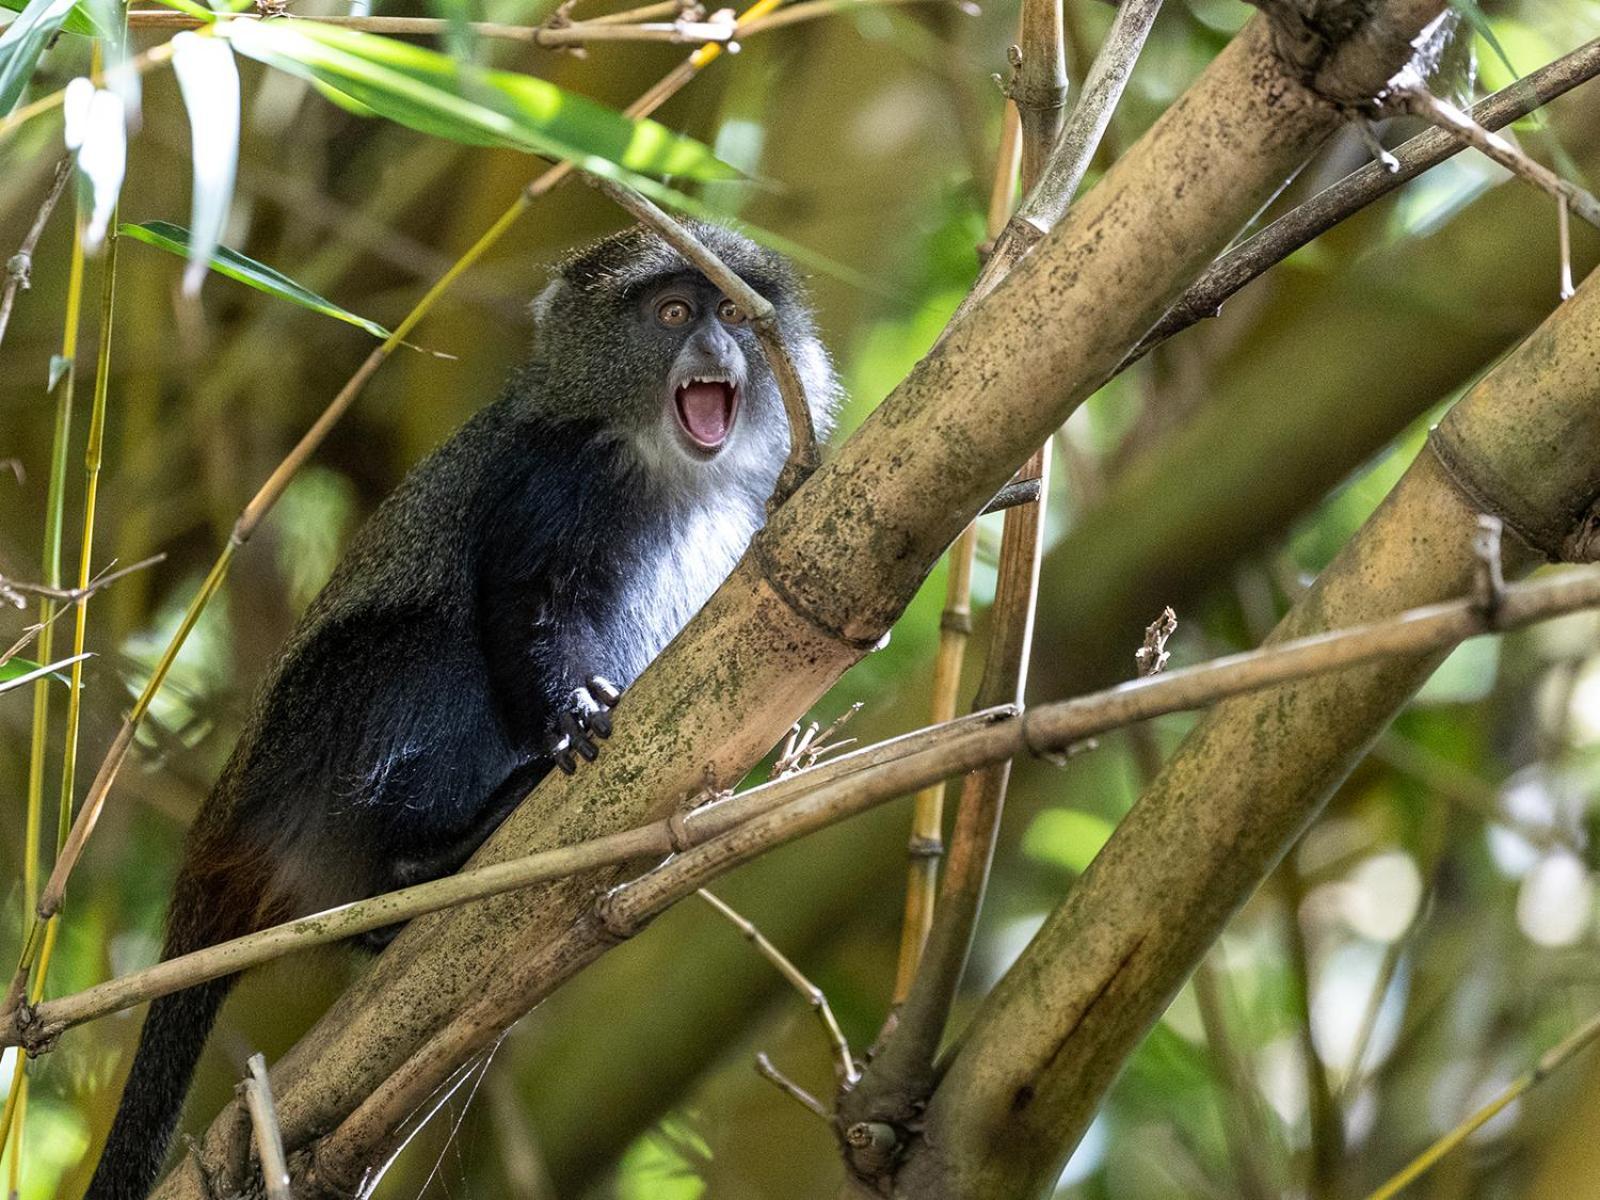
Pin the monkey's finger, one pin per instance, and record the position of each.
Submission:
(561, 752)
(578, 737)
(604, 691)
(599, 723)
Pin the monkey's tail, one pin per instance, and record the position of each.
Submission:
(169, 1047)
(208, 906)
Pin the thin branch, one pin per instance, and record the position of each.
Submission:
(1047, 201)
(1242, 1129)
(261, 503)
(763, 319)
(810, 10)
(1423, 103)
(257, 1090)
(790, 1088)
(902, 1069)
(1551, 1061)
(844, 1062)
(925, 846)
(766, 816)
(1302, 224)
(13, 590)
(20, 265)
(577, 33)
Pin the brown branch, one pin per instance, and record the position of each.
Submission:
(14, 589)
(901, 1072)
(19, 266)
(257, 1089)
(1301, 225)
(868, 776)
(828, 574)
(577, 33)
(925, 847)
(763, 318)
(1048, 199)
(793, 1090)
(1458, 124)
(844, 1062)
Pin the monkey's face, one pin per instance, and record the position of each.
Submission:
(633, 343)
(706, 383)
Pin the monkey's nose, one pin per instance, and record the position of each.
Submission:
(715, 343)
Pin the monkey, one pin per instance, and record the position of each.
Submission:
(482, 625)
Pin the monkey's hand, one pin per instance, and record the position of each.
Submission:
(587, 716)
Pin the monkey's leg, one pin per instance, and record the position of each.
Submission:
(452, 856)
(587, 716)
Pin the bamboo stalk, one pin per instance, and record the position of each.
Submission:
(869, 776)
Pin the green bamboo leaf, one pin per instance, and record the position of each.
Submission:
(15, 672)
(208, 79)
(79, 20)
(21, 44)
(1475, 16)
(175, 240)
(431, 92)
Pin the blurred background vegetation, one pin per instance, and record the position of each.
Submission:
(1430, 935)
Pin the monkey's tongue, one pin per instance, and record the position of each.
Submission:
(706, 411)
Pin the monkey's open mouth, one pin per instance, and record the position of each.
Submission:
(705, 410)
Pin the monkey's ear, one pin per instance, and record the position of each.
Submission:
(545, 300)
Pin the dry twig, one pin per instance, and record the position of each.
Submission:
(257, 1089)
(20, 265)
(1453, 121)
(844, 1062)
(763, 817)
(1296, 228)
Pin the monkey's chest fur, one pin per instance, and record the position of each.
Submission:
(423, 683)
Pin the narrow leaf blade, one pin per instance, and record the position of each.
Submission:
(175, 240)
(23, 41)
(431, 92)
(209, 81)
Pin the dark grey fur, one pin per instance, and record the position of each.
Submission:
(565, 532)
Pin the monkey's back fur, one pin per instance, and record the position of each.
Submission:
(555, 536)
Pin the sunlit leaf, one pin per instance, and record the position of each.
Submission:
(459, 39)
(209, 81)
(175, 239)
(1066, 837)
(1473, 12)
(431, 92)
(16, 672)
(79, 20)
(119, 74)
(96, 130)
(21, 44)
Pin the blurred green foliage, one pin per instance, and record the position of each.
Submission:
(1453, 873)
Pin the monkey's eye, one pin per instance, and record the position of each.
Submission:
(730, 313)
(673, 313)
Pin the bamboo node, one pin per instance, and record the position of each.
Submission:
(34, 1034)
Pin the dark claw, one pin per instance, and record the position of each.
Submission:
(562, 753)
(600, 723)
(574, 726)
(604, 691)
